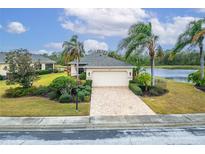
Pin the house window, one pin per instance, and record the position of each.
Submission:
(130, 73)
(81, 70)
(49, 66)
(88, 73)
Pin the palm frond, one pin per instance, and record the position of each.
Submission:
(198, 35)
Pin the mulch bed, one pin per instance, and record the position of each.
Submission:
(200, 88)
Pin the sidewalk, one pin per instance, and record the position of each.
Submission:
(98, 122)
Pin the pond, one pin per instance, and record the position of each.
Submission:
(174, 74)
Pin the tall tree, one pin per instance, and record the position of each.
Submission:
(192, 37)
(21, 69)
(141, 38)
(73, 50)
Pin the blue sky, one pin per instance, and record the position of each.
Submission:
(44, 30)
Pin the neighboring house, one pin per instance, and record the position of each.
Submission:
(46, 63)
(103, 70)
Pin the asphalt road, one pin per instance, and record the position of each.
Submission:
(185, 135)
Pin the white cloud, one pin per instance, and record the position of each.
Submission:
(101, 22)
(94, 45)
(54, 45)
(116, 22)
(42, 51)
(169, 31)
(16, 27)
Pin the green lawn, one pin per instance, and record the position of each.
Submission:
(177, 66)
(38, 106)
(182, 98)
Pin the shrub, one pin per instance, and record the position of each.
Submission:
(88, 88)
(53, 95)
(161, 83)
(143, 79)
(62, 82)
(195, 78)
(88, 82)
(42, 72)
(132, 81)
(19, 92)
(87, 98)
(1, 77)
(81, 96)
(86, 93)
(55, 71)
(82, 76)
(135, 89)
(157, 91)
(41, 91)
(65, 98)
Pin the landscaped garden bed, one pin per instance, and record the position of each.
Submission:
(141, 85)
(60, 89)
(38, 105)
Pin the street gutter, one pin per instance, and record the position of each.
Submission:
(100, 122)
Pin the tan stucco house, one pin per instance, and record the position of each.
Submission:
(46, 63)
(104, 71)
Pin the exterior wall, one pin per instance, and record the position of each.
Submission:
(3, 71)
(89, 72)
(43, 66)
(73, 70)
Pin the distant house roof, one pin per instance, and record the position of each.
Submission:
(97, 59)
(35, 58)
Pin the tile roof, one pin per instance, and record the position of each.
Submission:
(99, 59)
(35, 58)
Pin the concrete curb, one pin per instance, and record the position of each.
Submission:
(100, 122)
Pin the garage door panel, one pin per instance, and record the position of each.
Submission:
(105, 79)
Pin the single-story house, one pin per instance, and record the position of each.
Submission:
(46, 63)
(104, 71)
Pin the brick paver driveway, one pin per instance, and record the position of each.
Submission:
(117, 101)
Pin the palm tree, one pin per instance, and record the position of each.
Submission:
(140, 38)
(73, 50)
(193, 36)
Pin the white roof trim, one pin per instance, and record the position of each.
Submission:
(109, 67)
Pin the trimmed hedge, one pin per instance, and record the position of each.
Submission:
(135, 89)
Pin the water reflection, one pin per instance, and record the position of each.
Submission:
(174, 74)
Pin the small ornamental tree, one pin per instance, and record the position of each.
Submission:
(21, 70)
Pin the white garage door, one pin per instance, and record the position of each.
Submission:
(106, 79)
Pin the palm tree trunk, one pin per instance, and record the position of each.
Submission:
(202, 61)
(152, 70)
(77, 68)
